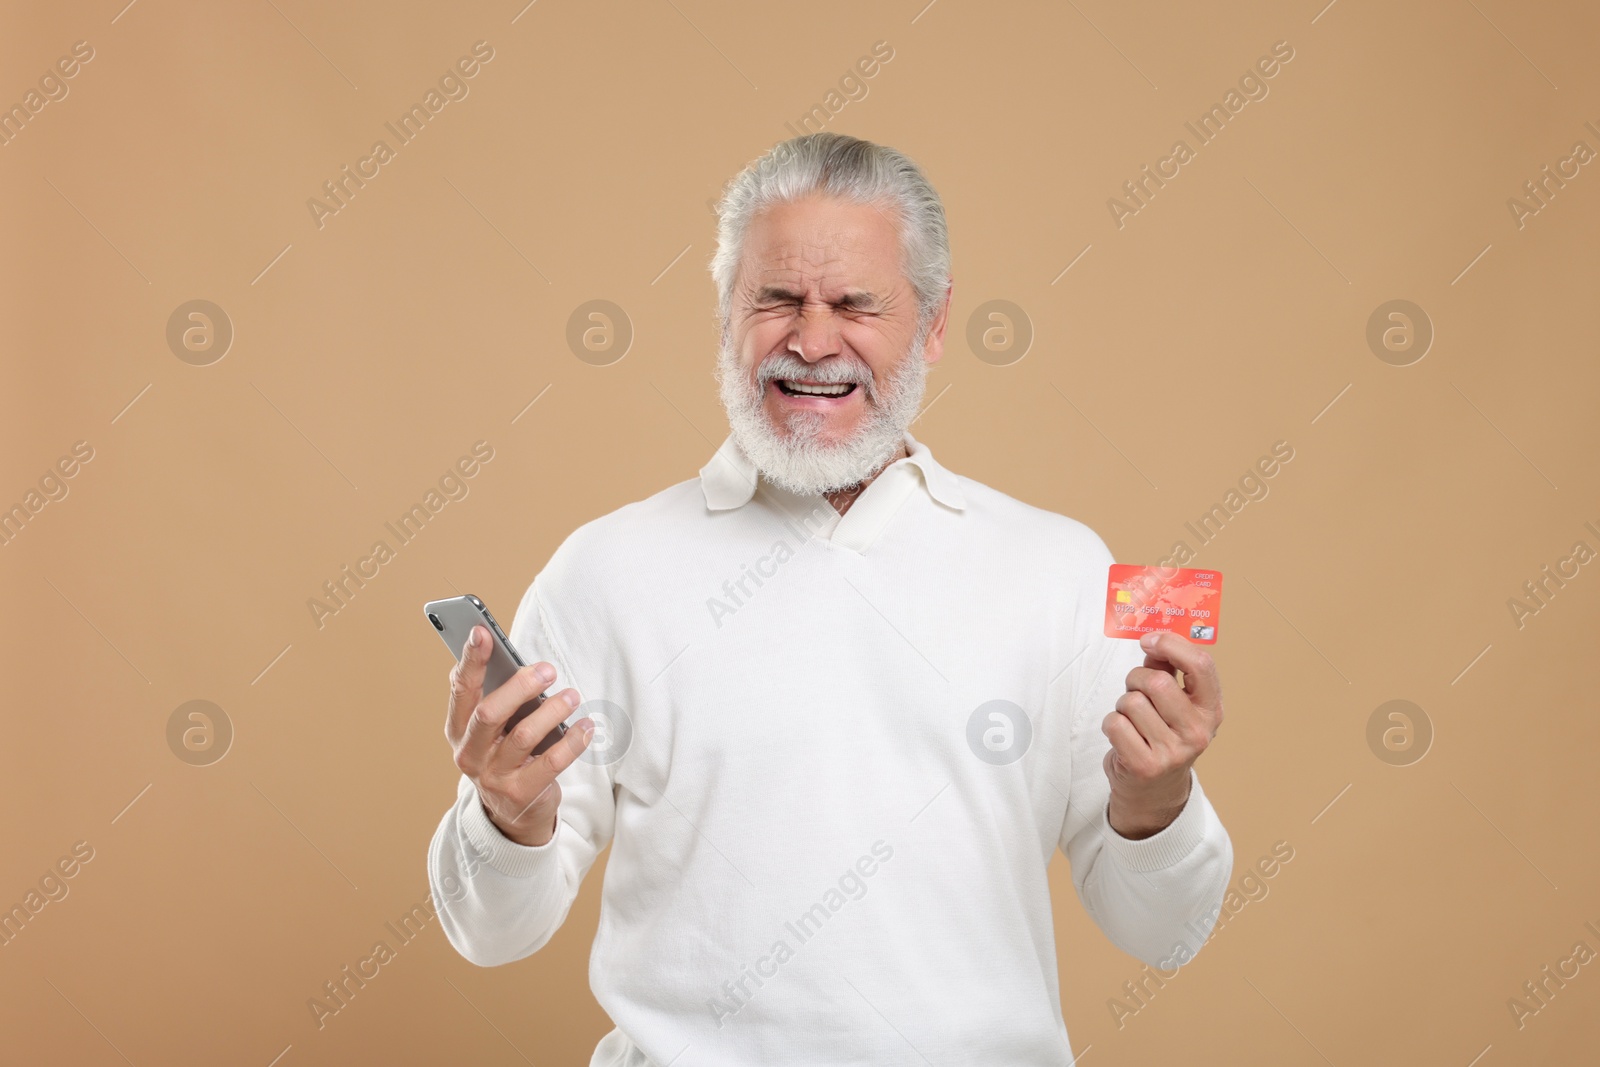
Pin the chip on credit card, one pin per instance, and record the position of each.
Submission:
(1183, 600)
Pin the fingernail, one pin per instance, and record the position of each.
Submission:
(472, 638)
(547, 673)
(1148, 641)
(588, 730)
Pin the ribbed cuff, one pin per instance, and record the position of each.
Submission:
(1172, 842)
(489, 845)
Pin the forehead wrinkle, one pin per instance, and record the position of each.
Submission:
(820, 274)
(812, 259)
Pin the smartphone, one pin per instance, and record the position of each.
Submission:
(454, 619)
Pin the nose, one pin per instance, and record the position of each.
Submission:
(815, 335)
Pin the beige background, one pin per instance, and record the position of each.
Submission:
(369, 354)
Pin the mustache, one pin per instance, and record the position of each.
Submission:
(831, 372)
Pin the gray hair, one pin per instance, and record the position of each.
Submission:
(838, 165)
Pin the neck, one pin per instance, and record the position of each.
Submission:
(841, 499)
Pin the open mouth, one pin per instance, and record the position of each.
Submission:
(829, 392)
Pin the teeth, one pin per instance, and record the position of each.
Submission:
(819, 390)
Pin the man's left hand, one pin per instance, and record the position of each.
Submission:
(1158, 730)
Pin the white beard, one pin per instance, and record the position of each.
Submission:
(800, 460)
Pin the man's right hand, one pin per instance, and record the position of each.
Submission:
(517, 789)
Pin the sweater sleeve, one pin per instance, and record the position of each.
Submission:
(500, 901)
(1155, 898)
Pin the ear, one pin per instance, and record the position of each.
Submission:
(935, 345)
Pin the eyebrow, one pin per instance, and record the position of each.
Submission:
(856, 299)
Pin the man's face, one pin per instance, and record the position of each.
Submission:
(821, 304)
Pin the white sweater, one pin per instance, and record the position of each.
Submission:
(842, 751)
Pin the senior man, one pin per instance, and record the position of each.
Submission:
(848, 702)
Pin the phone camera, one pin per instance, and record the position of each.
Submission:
(437, 625)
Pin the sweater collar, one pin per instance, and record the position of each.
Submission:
(729, 479)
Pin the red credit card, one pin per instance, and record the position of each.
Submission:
(1184, 600)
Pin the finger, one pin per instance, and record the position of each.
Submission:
(518, 745)
(565, 752)
(1168, 698)
(466, 681)
(489, 717)
(1127, 744)
(1199, 671)
(1135, 706)
(552, 761)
